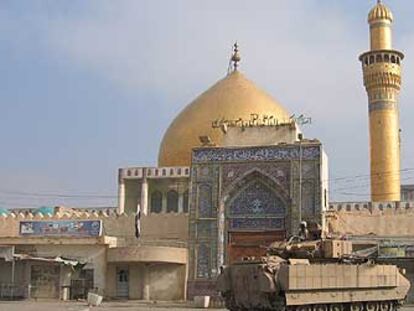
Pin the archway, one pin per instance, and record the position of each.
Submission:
(255, 211)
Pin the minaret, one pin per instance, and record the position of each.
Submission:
(382, 80)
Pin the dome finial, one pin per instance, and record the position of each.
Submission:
(235, 58)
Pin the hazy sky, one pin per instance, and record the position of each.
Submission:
(90, 86)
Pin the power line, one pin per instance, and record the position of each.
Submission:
(354, 179)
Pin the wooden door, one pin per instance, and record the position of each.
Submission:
(250, 244)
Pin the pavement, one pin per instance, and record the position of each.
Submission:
(107, 306)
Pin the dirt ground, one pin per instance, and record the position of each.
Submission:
(106, 306)
(82, 306)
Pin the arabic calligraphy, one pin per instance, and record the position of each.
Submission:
(260, 121)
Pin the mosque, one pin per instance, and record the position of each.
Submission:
(234, 174)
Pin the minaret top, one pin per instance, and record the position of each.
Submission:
(235, 58)
(380, 12)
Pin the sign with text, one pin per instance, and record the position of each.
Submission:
(61, 228)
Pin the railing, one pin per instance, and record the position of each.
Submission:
(10, 291)
(80, 288)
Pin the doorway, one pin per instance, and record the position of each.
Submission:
(44, 279)
(122, 282)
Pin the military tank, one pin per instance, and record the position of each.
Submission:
(323, 275)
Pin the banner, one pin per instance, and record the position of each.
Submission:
(62, 228)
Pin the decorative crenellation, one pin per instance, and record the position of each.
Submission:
(76, 215)
(154, 172)
(371, 207)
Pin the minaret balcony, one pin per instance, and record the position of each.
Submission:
(381, 57)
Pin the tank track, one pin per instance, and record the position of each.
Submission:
(279, 305)
(356, 306)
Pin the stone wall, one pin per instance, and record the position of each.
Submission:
(363, 218)
(168, 227)
(260, 136)
(165, 281)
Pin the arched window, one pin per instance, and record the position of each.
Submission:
(379, 58)
(393, 59)
(156, 202)
(371, 59)
(256, 199)
(185, 202)
(386, 58)
(172, 201)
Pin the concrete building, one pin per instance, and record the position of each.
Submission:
(407, 193)
(54, 252)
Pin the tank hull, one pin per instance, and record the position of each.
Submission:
(303, 286)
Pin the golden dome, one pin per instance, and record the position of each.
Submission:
(231, 98)
(380, 11)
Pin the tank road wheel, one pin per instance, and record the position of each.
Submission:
(372, 306)
(336, 307)
(385, 306)
(320, 308)
(304, 308)
(357, 306)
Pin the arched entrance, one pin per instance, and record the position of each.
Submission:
(255, 213)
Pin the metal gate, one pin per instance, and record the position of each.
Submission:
(45, 281)
(122, 282)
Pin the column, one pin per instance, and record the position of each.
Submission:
(220, 237)
(121, 195)
(164, 202)
(144, 195)
(65, 278)
(99, 270)
(146, 294)
(180, 201)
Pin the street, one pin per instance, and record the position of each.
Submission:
(106, 306)
(82, 306)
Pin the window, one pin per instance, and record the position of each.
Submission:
(379, 58)
(156, 202)
(172, 201)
